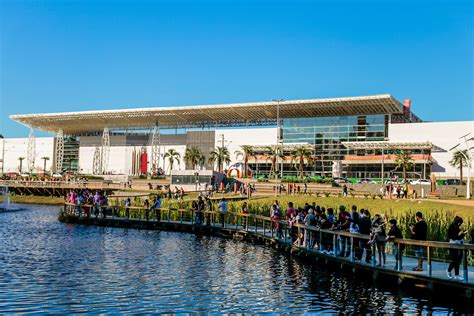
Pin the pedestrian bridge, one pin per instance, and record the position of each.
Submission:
(294, 239)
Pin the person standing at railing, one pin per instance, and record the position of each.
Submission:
(104, 202)
(128, 203)
(276, 216)
(146, 206)
(245, 210)
(365, 226)
(223, 210)
(455, 236)
(157, 208)
(396, 233)
(209, 208)
(310, 221)
(378, 236)
(344, 225)
(290, 210)
(419, 231)
(96, 203)
(200, 210)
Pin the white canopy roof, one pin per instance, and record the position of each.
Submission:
(240, 114)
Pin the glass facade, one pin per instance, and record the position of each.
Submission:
(326, 134)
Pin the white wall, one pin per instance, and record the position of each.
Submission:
(13, 148)
(233, 138)
(443, 135)
(120, 158)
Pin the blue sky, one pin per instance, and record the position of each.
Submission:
(89, 55)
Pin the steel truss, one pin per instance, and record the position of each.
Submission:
(59, 151)
(31, 151)
(155, 149)
(96, 162)
(105, 150)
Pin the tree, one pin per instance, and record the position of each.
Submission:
(21, 163)
(404, 162)
(273, 153)
(246, 153)
(194, 157)
(172, 156)
(219, 156)
(459, 160)
(44, 166)
(300, 157)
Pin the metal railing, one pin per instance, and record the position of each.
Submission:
(334, 243)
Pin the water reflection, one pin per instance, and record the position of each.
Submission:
(62, 268)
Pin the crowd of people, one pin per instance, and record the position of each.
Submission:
(90, 202)
(376, 230)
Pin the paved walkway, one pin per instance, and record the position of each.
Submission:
(456, 202)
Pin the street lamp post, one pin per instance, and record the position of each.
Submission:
(278, 148)
(196, 176)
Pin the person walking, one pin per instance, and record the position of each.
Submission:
(419, 231)
(455, 236)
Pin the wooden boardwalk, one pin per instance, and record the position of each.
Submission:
(259, 227)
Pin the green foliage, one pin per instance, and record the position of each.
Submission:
(404, 162)
(459, 161)
(173, 156)
(219, 156)
(194, 157)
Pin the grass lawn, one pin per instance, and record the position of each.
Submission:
(385, 206)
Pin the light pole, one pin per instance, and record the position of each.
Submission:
(278, 149)
(3, 153)
(196, 176)
(468, 160)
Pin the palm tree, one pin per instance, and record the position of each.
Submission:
(459, 160)
(246, 153)
(404, 162)
(21, 163)
(274, 152)
(44, 166)
(172, 156)
(300, 157)
(220, 155)
(194, 157)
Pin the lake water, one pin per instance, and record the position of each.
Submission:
(49, 266)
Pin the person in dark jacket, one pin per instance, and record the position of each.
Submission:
(396, 233)
(419, 231)
(455, 236)
(365, 225)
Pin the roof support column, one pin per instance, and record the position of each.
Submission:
(155, 149)
(104, 150)
(59, 151)
(96, 162)
(31, 151)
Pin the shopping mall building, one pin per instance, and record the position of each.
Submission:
(354, 137)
